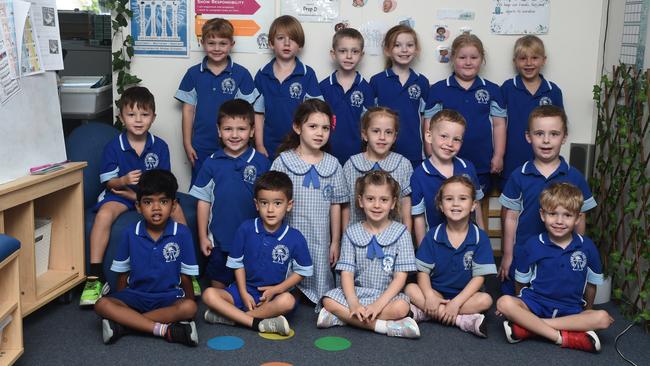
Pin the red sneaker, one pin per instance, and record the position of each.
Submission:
(516, 333)
(584, 341)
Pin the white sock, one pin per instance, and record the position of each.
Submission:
(380, 326)
(558, 341)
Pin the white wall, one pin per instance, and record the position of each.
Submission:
(574, 49)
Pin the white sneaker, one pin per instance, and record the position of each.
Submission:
(328, 320)
(406, 328)
(214, 318)
(278, 324)
(473, 323)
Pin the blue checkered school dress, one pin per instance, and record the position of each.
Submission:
(398, 166)
(373, 276)
(312, 198)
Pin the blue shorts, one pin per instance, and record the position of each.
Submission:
(216, 269)
(201, 155)
(111, 197)
(485, 181)
(544, 308)
(144, 302)
(234, 292)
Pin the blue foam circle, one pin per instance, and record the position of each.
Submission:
(226, 343)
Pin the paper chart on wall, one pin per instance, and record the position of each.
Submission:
(29, 54)
(159, 28)
(8, 34)
(46, 23)
(520, 16)
(9, 85)
(317, 11)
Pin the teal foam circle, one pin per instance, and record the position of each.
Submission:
(225, 343)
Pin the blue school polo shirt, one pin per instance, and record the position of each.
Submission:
(348, 107)
(268, 258)
(452, 268)
(278, 100)
(520, 103)
(425, 184)
(207, 92)
(408, 101)
(156, 266)
(477, 104)
(227, 183)
(559, 275)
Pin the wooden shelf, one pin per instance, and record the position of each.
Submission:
(7, 308)
(9, 356)
(11, 342)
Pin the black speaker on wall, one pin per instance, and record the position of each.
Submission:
(582, 158)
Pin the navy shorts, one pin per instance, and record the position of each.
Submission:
(110, 197)
(144, 302)
(216, 269)
(544, 308)
(234, 292)
(485, 181)
(201, 156)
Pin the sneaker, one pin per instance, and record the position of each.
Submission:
(196, 287)
(93, 290)
(328, 320)
(585, 341)
(112, 331)
(473, 323)
(214, 318)
(406, 328)
(279, 325)
(516, 333)
(419, 315)
(183, 332)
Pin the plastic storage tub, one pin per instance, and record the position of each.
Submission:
(78, 99)
(42, 235)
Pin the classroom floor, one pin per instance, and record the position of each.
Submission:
(63, 334)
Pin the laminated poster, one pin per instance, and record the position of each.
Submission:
(520, 16)
(46, 23)
(29, 54)
(315, 11)
(8, 34)
(159, 28)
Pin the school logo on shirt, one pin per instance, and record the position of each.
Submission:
(467, 259)
(250, 172)
(388, 263)
(578, 260)
(151, 161)
(295, 90)
(414, 91)
(171, 251)
(356, 99)
(482, 96)
(545, 101)
(328, 192)
(228, 86)
(280, 254)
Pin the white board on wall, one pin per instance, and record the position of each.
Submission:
(31, 132)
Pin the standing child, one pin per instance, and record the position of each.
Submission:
(563, 269)
(319, 189)
(521, 94)
(347, 93)
(283, 84)
(444, 139)
(376, 256)
(224, 188)
(547, 132)
(479, 101)
(452, 261)
(155, 260)
(403, 90)
(379, 127)
(206, 86)
(269, 259)
(124, 160)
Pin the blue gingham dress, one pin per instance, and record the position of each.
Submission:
(399, 167)
(373, 276)
(311, 214)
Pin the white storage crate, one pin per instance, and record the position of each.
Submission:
(79, 99)
(42, 235)
(3, 323)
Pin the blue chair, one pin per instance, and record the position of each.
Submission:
(86, 143)
(8, 246)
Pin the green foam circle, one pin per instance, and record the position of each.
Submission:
(332, 344)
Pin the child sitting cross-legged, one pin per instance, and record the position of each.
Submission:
(269, 259)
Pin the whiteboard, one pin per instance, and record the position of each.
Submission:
(31, 131)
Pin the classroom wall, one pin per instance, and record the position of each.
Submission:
(614, 35)
(574, 50)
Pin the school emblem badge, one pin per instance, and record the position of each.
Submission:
(414, 91)
(482, 96)
(171, 251)
(151, 161)
(578, 260)
(280, 254)
(545, 101)
(388, 263)
(250, 172)
(356, 99)
(467, 260)
(228, 86)
(328, 192)
(295, 90)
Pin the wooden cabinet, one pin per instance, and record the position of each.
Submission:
(58, 196)
(11, 342)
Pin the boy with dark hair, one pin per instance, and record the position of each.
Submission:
(154, 257)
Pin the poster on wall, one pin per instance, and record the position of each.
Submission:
(8, 34)
(520, 16)
(250, 18)
(316, 11)
(29, 54)
(46, 23)
(159, 28)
